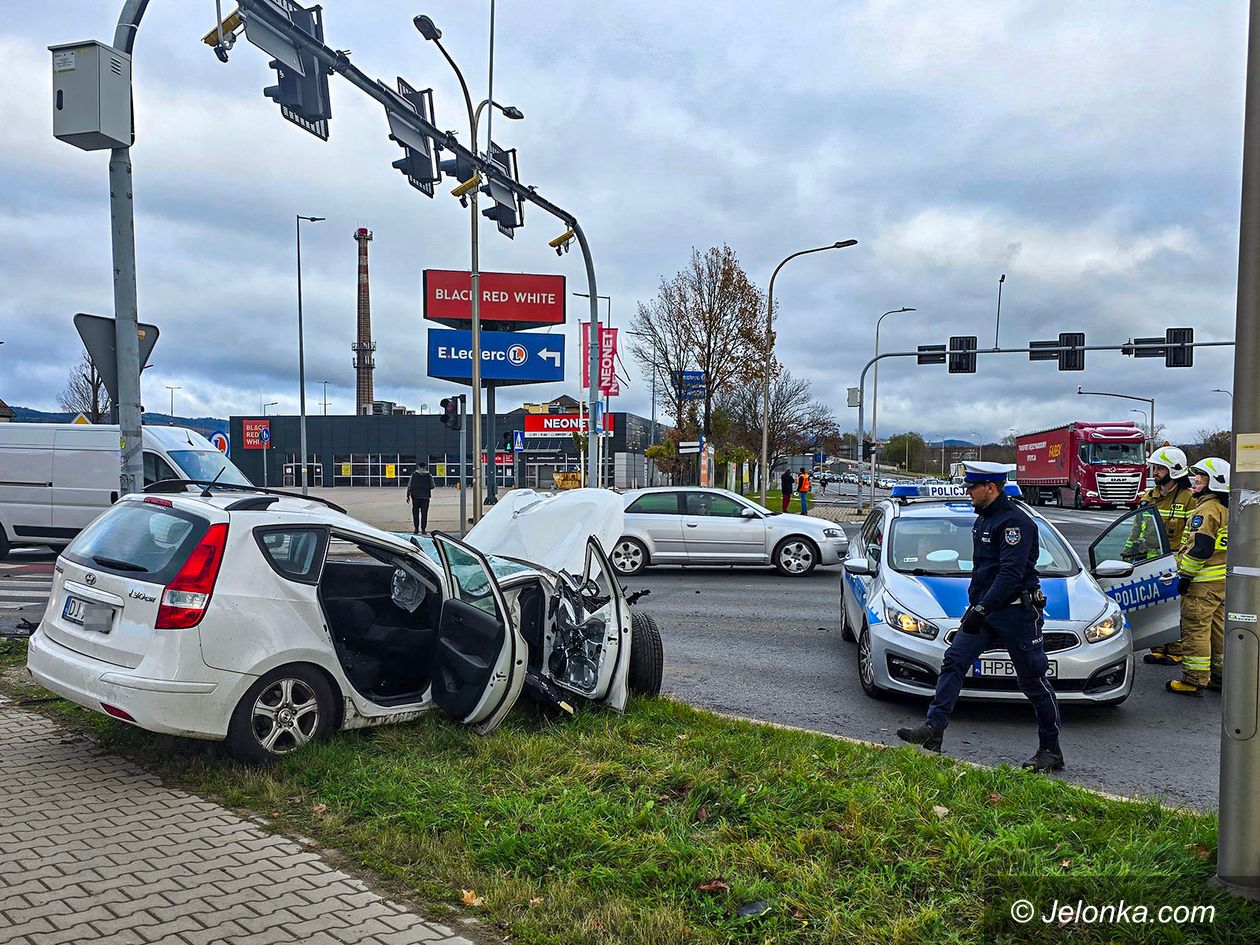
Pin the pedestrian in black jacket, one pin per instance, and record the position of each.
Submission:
(419, 490)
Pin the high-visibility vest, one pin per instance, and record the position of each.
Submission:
(1209, 518)
(804, 482)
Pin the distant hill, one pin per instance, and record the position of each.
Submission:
(203, 425)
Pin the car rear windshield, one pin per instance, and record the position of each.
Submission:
(942, 547)
(138, 540)
(207, 465)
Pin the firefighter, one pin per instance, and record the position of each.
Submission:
(1172, 498)
(1201, 580)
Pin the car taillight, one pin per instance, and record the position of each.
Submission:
(185, 599)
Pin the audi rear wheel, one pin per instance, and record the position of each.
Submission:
(629, 556)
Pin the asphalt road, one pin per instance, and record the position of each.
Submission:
(752, 643)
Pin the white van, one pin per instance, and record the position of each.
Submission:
(56, 477)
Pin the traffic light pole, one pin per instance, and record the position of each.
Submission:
(339, 62)
(463, 464)
(861, 427)
(492, 447)
(126, 311)
(1238, 837)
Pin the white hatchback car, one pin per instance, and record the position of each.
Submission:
(269, 620)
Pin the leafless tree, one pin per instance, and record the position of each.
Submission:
(1214, 443)
(85, 392)
(798, 422)
(704, 318)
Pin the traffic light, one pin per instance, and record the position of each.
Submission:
(463, 171)
(1072, 351)
(417, 163)
(962, 354)
(452, 416)
(507, 212)
(869, 449)
(505, 442)
(1176, 352)
(302, 87)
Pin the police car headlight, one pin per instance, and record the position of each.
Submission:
(1107, 626)
(832, 533)
(901, 619)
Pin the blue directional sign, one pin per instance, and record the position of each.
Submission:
(692, 385)
(507, 357)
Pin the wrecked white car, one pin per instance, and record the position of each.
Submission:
(267, 620)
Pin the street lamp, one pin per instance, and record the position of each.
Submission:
(997, 327)
(979, 447)
(325, 383)
(765, 393)
(170, 417)
(1215, 390)
(1145, 400)
(875, 386)
(297, 225)
(267, 445)
(428, 29)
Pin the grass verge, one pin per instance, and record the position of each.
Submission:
(669, 824)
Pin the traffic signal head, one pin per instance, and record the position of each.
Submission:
(869, 449)
(507, 211)
(302, 87)
(507, 439)
(417, 163)
(451, 416)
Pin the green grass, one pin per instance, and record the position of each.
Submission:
(774, 500)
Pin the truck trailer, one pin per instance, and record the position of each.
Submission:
(1083, 464)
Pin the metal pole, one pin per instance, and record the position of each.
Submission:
(1238, 853)
(463, 460)
(492, 446)
(297, 225)
(998, 325)
(875, 389)
(592, 356)
(126, 311)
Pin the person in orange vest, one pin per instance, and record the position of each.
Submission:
(802, 486)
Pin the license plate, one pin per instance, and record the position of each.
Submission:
(1006, 668)
(88, 615)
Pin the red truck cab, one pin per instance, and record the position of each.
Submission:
(1083, 464)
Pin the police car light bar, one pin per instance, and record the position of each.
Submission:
(946, 492)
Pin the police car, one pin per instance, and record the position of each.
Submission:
(904, 591)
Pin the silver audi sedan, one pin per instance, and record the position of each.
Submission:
(697, 525)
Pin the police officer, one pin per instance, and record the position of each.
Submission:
(1005, 610)
(1172, 498)
(1201, 581)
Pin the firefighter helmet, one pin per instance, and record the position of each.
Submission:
(1173, 459)
(1216, 470)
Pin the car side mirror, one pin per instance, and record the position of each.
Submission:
(749, 513)
(1113, 569)
(859, 566)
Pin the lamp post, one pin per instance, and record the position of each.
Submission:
(297, 226)
(979, 447)
(997, 327)
(426, 28)
(765, 393)
(267, 445)
(875, 384)
(593, 440)
(170, 417)
(1215, 390)
(325, 383)
(1145, 400)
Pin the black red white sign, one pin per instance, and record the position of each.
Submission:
(560, 424)
(509, 300)
(255, 434)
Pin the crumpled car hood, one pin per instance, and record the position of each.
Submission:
(550, 528)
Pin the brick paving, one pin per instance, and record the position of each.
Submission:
(95, 849)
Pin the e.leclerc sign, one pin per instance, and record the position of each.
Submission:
(506, 357)
(509, 300)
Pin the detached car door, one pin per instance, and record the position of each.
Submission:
(480, 657)
(613, 660)
(1148, 593)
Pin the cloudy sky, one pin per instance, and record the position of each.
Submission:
(1090, 151)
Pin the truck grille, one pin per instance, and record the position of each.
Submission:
(1118, 488)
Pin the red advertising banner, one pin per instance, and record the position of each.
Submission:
(509, 300)
(561, 424)
(252, 434)
(500, 459)
(609, 383)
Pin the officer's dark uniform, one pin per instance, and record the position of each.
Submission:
(1003, 595)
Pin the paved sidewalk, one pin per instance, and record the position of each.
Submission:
(94, 850)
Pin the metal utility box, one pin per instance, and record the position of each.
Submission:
(91, 95)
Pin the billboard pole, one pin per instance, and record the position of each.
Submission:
(1238, 851)
(463, 459)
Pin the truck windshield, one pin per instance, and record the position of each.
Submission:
(1115, 454)
(206, 465)
(942, 547)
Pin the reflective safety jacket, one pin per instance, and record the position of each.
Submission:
(803, 485)
(1174, 508)
(1202, 554)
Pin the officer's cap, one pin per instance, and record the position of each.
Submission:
(985, 472)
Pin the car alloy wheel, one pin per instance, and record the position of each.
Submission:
(628, 556)
(285, 715)
(866, 666)
(795, 556)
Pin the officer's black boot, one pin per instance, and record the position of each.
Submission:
(1046, 759)
(927, 735)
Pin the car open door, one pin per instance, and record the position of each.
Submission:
(614, 665)
(480, 657)
(1134, 565)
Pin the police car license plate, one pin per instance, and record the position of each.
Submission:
(1006, 668)
(87, 615)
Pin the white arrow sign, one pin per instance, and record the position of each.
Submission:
(552, 356)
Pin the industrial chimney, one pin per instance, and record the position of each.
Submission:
(364, 347)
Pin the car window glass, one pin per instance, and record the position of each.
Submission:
(712, 504)
(655, 503)
(873, 538)
(1137, 536)
(156, 469)
(471, 582)
(295, 552)
(208, 465)
(940, 546)
(138, 540)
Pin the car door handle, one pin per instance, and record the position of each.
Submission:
(1168, 577)
(693, 524)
